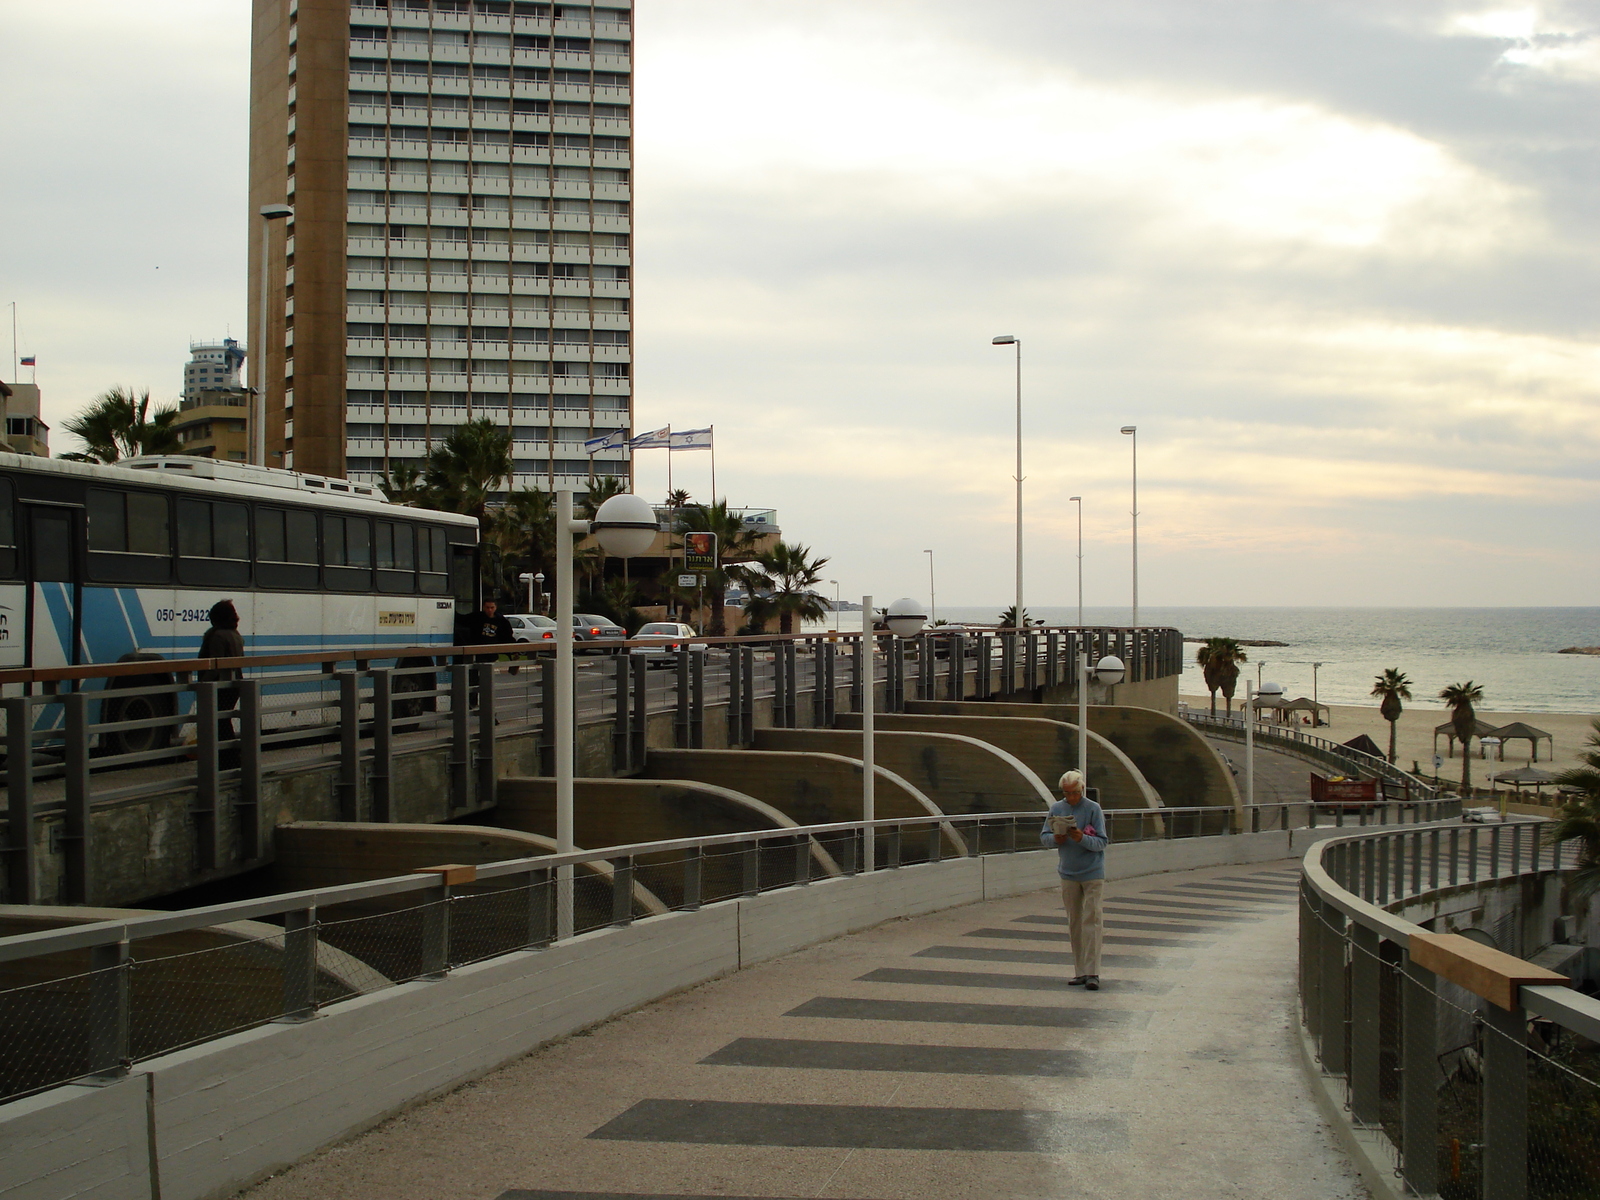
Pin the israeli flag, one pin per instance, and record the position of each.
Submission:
(612, 440)
(691, 439)
(655, 440)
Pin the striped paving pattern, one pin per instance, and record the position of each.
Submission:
(941, 1057)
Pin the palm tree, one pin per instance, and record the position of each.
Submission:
(403, 484)
(117, 425)
(467, 467)
(1459, 699)
(523, 529)
(600, 491)
(1394, 686)
(1219, 660)
(678, 498)
(1579, 819)
(788, 574)
(1008, 619)
(736, 542)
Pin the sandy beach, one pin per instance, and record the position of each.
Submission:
(1418, 721)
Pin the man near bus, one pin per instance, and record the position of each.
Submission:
(1077, 828)
(489, 628)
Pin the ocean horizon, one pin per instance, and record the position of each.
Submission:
(1512, 653)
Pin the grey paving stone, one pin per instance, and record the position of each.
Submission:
(986, 979)
(809, 1054)
(1046, 1016)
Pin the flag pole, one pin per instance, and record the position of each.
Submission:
(713, 464)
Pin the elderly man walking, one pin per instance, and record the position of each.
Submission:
(1076, 826)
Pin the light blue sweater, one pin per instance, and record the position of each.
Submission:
(1083, 860)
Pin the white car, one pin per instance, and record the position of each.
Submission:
(666, 638)
(531, 627)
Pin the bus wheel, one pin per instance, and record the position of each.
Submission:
(138, 708)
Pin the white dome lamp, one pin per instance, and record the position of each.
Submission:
(906, 617)
(1108, 672)
(625, 526)
(1270, 689)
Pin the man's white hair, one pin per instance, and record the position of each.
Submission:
(1072, 779)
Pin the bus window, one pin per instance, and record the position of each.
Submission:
(8, 531)
(396, 557)
(347, 553)
(286, 549)
(130, 539)
(432, 562)
(464, 578)
(213, 543)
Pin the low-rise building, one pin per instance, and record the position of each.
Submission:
(25, 433)
(212, 365)
(214, 423)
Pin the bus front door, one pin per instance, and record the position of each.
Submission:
(55, 590)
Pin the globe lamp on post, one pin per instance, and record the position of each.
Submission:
(625, 526)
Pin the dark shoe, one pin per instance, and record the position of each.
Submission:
(1077, 981)
(1092, 983)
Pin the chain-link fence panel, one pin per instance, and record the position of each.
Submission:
(46, 1024)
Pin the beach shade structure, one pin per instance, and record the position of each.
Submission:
(1306, 704)
(1364, 744)
(1521, 729)
(1526, 777)
(1480, 729)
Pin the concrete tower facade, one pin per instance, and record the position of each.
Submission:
(460, 172)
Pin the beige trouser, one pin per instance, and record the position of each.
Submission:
(1085, 921)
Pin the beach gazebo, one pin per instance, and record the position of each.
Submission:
(1521, 729)
(1526, 777)
(1306, 704)
(1365, 745)
(1480, 729)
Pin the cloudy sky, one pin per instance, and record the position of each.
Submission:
(1337, 262)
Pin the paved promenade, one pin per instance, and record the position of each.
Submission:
(938, 1057)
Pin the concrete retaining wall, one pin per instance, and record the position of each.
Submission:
(215, 1118)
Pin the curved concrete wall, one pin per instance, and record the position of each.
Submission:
(960, 774)
(1048, 747)
(617, 812)
(1173, 757)
(809, 788)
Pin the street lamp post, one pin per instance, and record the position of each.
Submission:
(1133, 432)
(1316, 713)
(1078, 500)
(258, 402)
(625, 526)
(904, 618)
(1108, 672)
(933, 602)
(1006, 339)
(835, 614)
(538, 578)
(1249, 744)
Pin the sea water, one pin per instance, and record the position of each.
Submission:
(1510, 652)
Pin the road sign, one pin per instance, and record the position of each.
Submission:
(1437, 763)
(700, 551)
(687, 581)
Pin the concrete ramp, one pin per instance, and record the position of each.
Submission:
(1048, 747)
(961, 774)
(617, 812)
(807, 787)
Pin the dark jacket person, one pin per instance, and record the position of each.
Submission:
(222, 640)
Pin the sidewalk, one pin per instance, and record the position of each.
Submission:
(938, 1057)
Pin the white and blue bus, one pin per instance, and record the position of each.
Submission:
(105, 564)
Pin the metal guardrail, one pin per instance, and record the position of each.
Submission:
(1468, 1098)
(87, 1001)
(1357, 763)
(76, 738)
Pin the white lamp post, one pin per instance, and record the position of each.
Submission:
(933, 602)
(835, 613)
(1133, 432)
(1108, 672)
(538, 578)
(1316, 713)
(258, 402)
(1006, 339)
(904, 618)
(1078, 500)
(526, 578)
(625, 526)
(1249, 744)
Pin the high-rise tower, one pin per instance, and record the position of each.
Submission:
(460, 173)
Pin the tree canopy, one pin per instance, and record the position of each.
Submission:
(118, 425)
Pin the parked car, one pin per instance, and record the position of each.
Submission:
(1486, 815)
(591, 628)
(667, 639)
(531, 627)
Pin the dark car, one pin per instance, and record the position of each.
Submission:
(593, 629)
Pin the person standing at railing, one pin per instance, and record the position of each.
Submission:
(222, 640)
(1077, 827)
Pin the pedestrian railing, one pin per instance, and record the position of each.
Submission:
(87, 1001)
(1356, 763)
(1474, 1074)
(77, 737)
